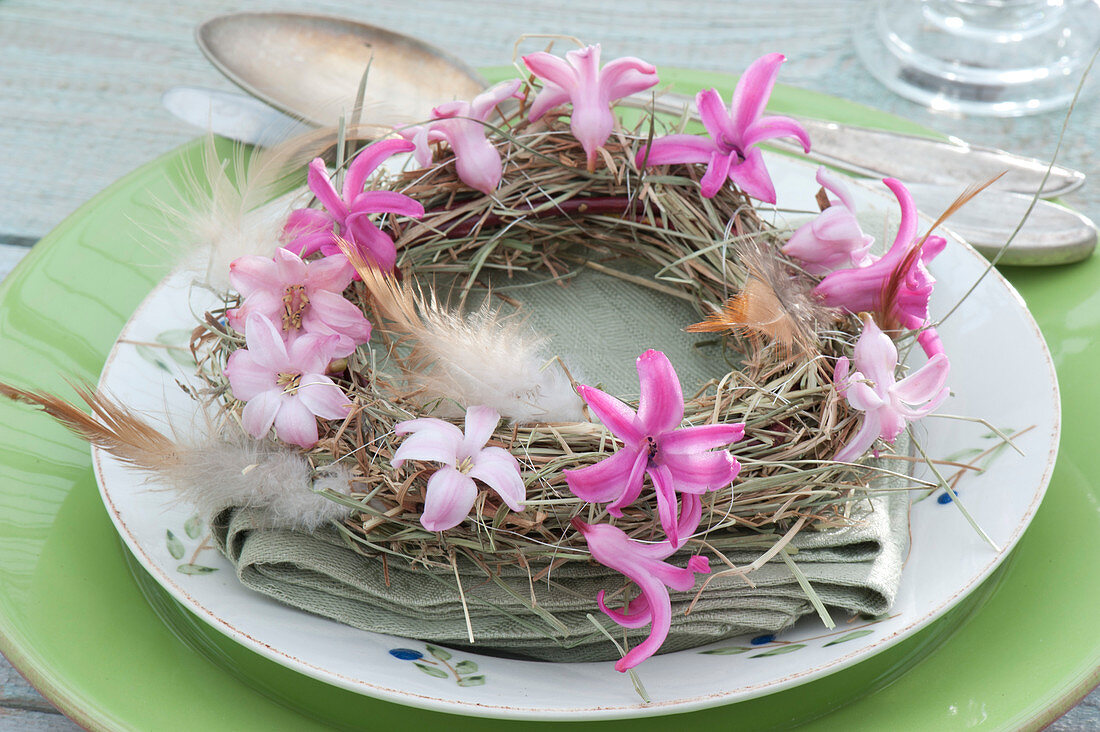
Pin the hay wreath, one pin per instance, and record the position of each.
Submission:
(414, 411)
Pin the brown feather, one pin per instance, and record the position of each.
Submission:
(963, 198)
(110, 426)
(892, 286)
(774, 307)
(755, 312)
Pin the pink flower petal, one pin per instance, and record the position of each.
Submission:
(634, 483)
(482, 106)
(549, 96)
(840, 375)
(691, 515)
(262, 302)
(311, 353)
(929, 340)
(924, 384)
(702, 437)
(259, 413)
(449, 496)
(698, 472)
(676, 149)
(907, 228)
(891, 423)
(251, 273)
(307, 244)
(551, 68)
(429, 439)
(616, 416)
(322, 188)
(718, 171)
(331, 273)
(290, 268)
(368, 160)
(377, 247)
(712, 112)
(767, 128)
(752, 177)
(837, 185)
(862, 440)
(605, 480)
(323, 397)
(754, 88)
(295, 423)
(418, 136)
(661, 406)
(374, 202)
(477, 161)
(861, 396)
(265, 343)
(660, 606)
(329, 310)
(247, 378)
(663, 486)
(303, 221)
(876, 356)
(625, 76)
(499, 469)
(480, 424)
(636, 615)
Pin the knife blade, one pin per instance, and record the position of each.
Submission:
(1052, 234)
(909, 158)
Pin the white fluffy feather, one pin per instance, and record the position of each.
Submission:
(482, 358)
(214, 474)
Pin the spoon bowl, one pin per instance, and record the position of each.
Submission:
(310, 66)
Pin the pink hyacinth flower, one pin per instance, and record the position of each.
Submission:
(451, 490)
(347, 215)
(643, 565)
(304, 297)
(833, 239)
(284, 386)
(887, 405)
(676, 460)
(459, 123)
(580, 80)
(731, 151)
(899, 281)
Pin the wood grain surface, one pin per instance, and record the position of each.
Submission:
(80, 87)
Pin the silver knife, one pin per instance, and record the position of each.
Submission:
(1051, 235)
(909, 158)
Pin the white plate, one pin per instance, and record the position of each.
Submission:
(1001, 371)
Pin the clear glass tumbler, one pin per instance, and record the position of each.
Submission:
(1002, 58)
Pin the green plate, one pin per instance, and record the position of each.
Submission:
(104, 643)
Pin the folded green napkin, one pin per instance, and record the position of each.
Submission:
(855, 569)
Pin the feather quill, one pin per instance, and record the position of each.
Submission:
(211, 472)
(480, 358)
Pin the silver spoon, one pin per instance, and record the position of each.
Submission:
(310, 67)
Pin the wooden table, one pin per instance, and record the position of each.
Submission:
(80, 87)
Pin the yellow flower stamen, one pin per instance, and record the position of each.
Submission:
(295, 302)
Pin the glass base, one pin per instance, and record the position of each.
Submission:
(1003, 58)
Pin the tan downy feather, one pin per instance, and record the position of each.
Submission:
(210, 472)
(462, 360)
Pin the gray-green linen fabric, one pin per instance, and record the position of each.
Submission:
(855, 569)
